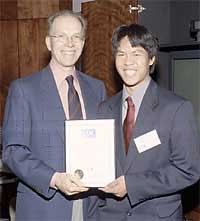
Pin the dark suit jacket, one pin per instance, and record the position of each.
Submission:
(155, 177)
(33, 142)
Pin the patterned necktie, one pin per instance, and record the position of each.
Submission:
(75, 112)
(129, 123)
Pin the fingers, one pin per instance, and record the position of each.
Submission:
(110, 188)
(74, 185)
(117, 187)
(74, 179)
(69, 184)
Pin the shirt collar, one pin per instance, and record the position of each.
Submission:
(138, 93)
(59, 73)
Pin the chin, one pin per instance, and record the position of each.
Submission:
(68, 64)
(130, 84)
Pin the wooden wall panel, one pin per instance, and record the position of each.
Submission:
(33, 54)
(36, 8)
(44, 55)
(65, 4)
(8, 58)
(103, 17)
(2, 104)
(26, 9)
(28, 46)
(8, 51)
(8, 9)
(193, 215)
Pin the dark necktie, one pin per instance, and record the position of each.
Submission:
(75, 112)
(129, 122)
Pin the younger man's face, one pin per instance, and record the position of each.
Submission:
(132, 63)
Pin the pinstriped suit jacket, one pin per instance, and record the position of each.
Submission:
(33, 146)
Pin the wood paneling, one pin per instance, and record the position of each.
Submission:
(23, 27)
(65, 4)
(8, 58)
(8, 9)
(8, 52)
(43, 53)
(37, 8)
(27, 9)
(193, 215)
(103, 17)
(33, 53)
(28, 46)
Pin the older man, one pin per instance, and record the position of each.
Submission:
(33, 129)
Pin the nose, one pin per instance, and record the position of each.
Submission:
(69, 42)
(129, 60)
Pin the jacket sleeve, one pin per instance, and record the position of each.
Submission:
(17, 153)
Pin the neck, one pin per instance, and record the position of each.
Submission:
(130, 89)
(67, 70)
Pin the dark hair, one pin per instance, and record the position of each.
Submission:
(138, 35)
(68, 13)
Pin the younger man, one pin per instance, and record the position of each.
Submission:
(157, 145)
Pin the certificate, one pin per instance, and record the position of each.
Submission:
(90, 151)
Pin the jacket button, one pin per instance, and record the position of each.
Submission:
(129, 214)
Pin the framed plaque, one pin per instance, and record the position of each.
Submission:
(90, 151)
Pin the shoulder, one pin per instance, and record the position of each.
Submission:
(89, 79)
(114, 101)
(32, 79)
(173, 103)
(28, 84)
(167, 96)
(91, 85)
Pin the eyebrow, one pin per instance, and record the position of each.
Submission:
(138, 50)
(132, 51)
(120, 51)
(63, 33)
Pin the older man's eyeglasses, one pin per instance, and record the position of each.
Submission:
(62, 38)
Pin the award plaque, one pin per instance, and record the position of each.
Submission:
(90, 152)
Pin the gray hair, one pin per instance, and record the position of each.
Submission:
(68, 13)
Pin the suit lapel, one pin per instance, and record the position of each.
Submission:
(53, 109)
(145, 120)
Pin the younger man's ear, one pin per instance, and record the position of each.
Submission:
(152, 60)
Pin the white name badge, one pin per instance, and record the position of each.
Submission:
(147, 141)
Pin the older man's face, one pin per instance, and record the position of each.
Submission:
(66, 40)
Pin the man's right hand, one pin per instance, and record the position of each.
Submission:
(68, 184)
